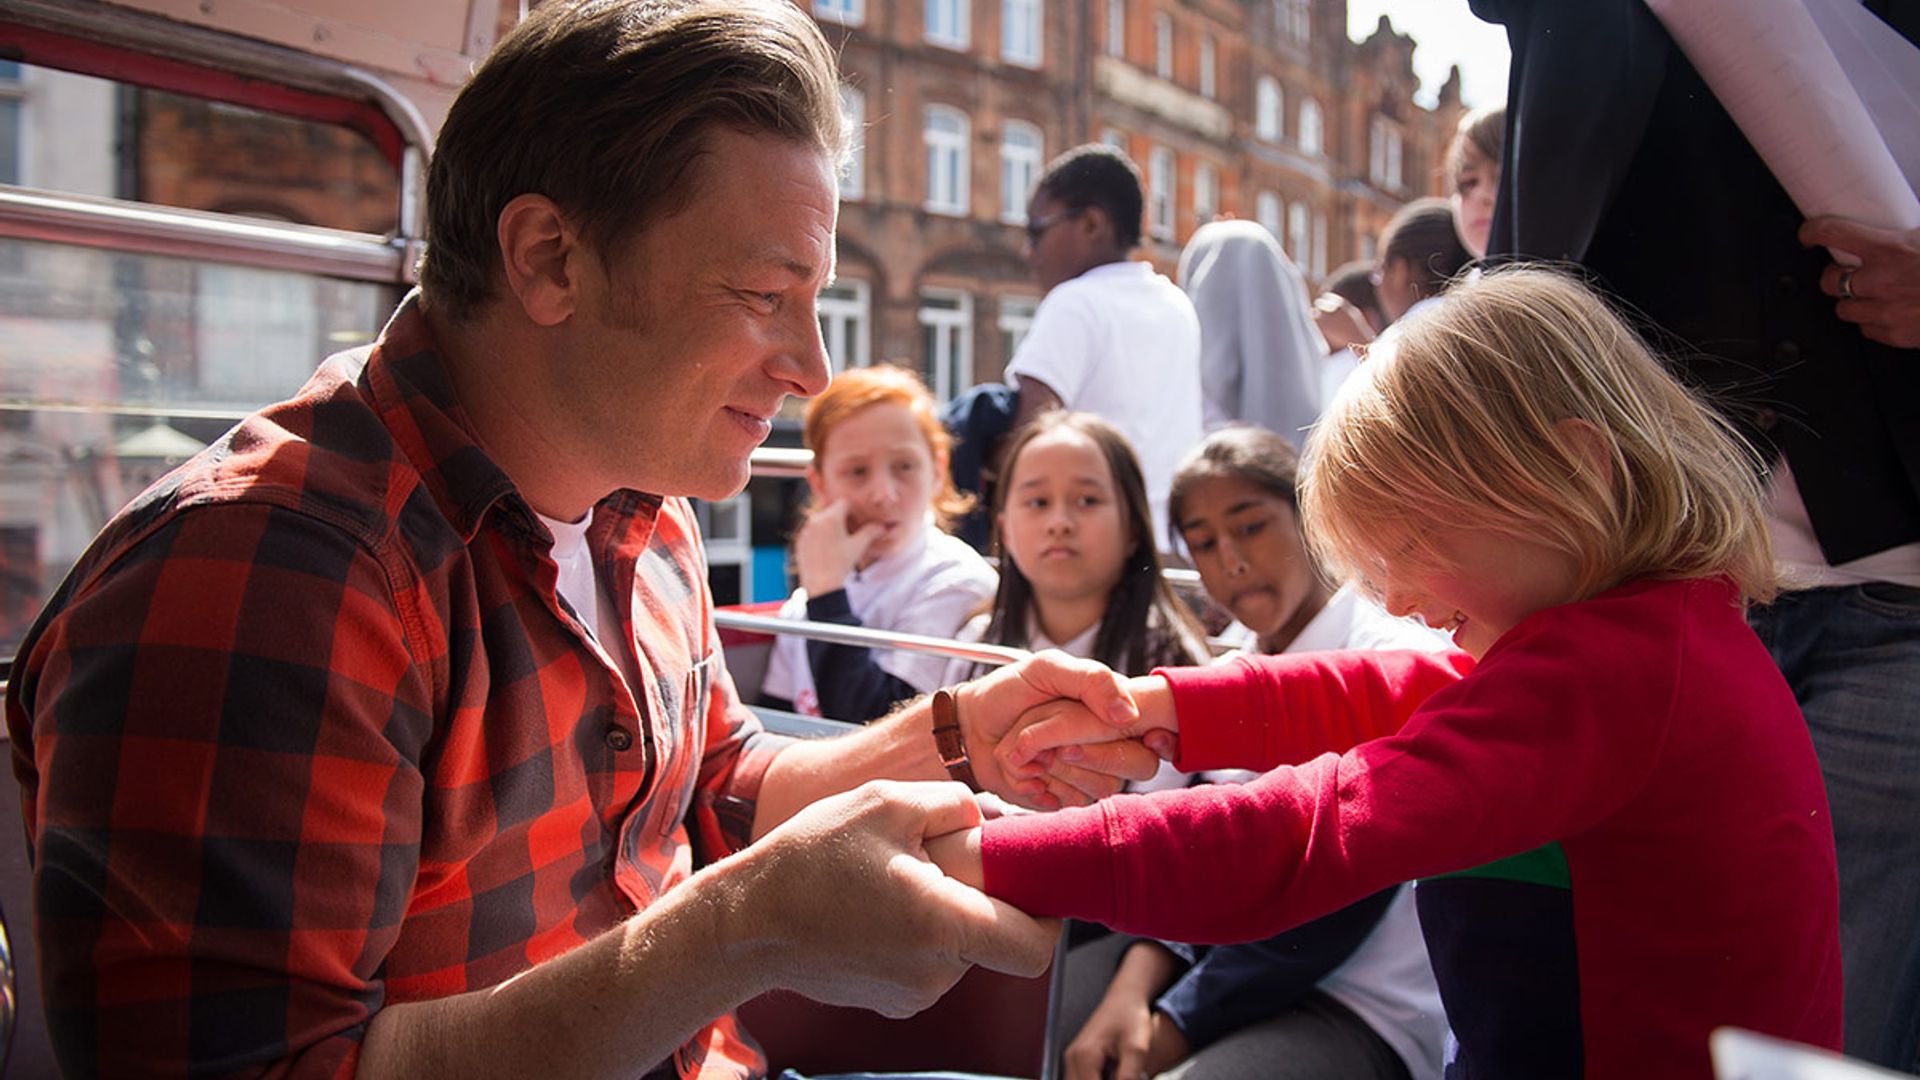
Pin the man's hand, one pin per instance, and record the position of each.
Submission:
(1882, 294)
(828, 551)
(992, 709)
(1064, 735)
(844, 906)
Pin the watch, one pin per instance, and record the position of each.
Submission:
(948, 740)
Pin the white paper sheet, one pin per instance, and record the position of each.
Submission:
(1773, 69)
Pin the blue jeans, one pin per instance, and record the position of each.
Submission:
(1852, 656)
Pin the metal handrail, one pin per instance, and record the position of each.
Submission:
(120, 225)
(842, 634)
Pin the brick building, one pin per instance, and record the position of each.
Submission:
(1259, 110)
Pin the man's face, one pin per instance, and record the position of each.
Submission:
(1060, 240)
(705, 321)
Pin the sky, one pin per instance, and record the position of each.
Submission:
(1444, 33)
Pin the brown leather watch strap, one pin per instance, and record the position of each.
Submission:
(947, 739)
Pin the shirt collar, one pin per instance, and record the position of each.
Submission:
(407, 376)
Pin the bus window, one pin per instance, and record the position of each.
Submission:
(167, 265)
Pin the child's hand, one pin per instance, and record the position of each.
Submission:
(828, 551)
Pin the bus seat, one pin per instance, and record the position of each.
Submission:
(988, 1023)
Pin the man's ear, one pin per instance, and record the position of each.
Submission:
(539, 249)
(813, 485)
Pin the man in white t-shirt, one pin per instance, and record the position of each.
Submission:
(1112, 336)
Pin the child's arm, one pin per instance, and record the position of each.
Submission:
(957, 854)
(1259, 712)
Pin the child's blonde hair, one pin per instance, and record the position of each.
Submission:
(884, 384)
(1496, 409)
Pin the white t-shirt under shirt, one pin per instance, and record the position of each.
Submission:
(1123, 342)
(581, 588)
(931, 586)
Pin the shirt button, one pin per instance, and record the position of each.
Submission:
(619, 738)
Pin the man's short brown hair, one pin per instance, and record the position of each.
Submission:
(602, 106)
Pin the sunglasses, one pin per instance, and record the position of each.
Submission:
(1039, 226)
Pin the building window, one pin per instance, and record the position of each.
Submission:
(1312, 138)
(1117, 28)
(1383, 154)
(1266, 109)
(853, 172)
(947, 23)
(1163, 45)
(1206, 193)
(1115, 138)
(1319, 246)
(1020, 27)
(946, 136)
(1022, 149)
(10, 97)
(1297, 234)
(1208, 88)
(1292, 19)
(946, 327)
(1016, 319)
(844, 12)
(1160, 201)
(1266, 211)
(845, 315)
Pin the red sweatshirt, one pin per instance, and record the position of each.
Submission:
(1645, 730)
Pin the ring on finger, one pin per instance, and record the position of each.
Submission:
(1846, 282)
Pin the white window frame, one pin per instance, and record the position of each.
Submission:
(845, 311)
(1298, 236)
(1163, 45)
(1162, 207)
(843, 12)
(1383, 154)
(1319, 246)
(1114, 137)
(1206, 193)
(1023, 151)
(949, 23)
(1016, 320)
(1209, 58)
(948, 164)
(1022, 26)
(853, 172)
(1117, 28)
(1293, 19)
(1269, 105)
(1312, 129)
(950, 316)
(1267, 211)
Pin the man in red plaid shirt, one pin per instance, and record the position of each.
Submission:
(389, 736)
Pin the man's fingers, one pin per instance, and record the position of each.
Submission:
(942, 806)
(999, 936)
(1845, 234)
(1055, 674)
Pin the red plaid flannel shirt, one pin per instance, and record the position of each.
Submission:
(306, 732)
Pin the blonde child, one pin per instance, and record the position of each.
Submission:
(1515, 467)
(871, 551)
(1079, 570)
